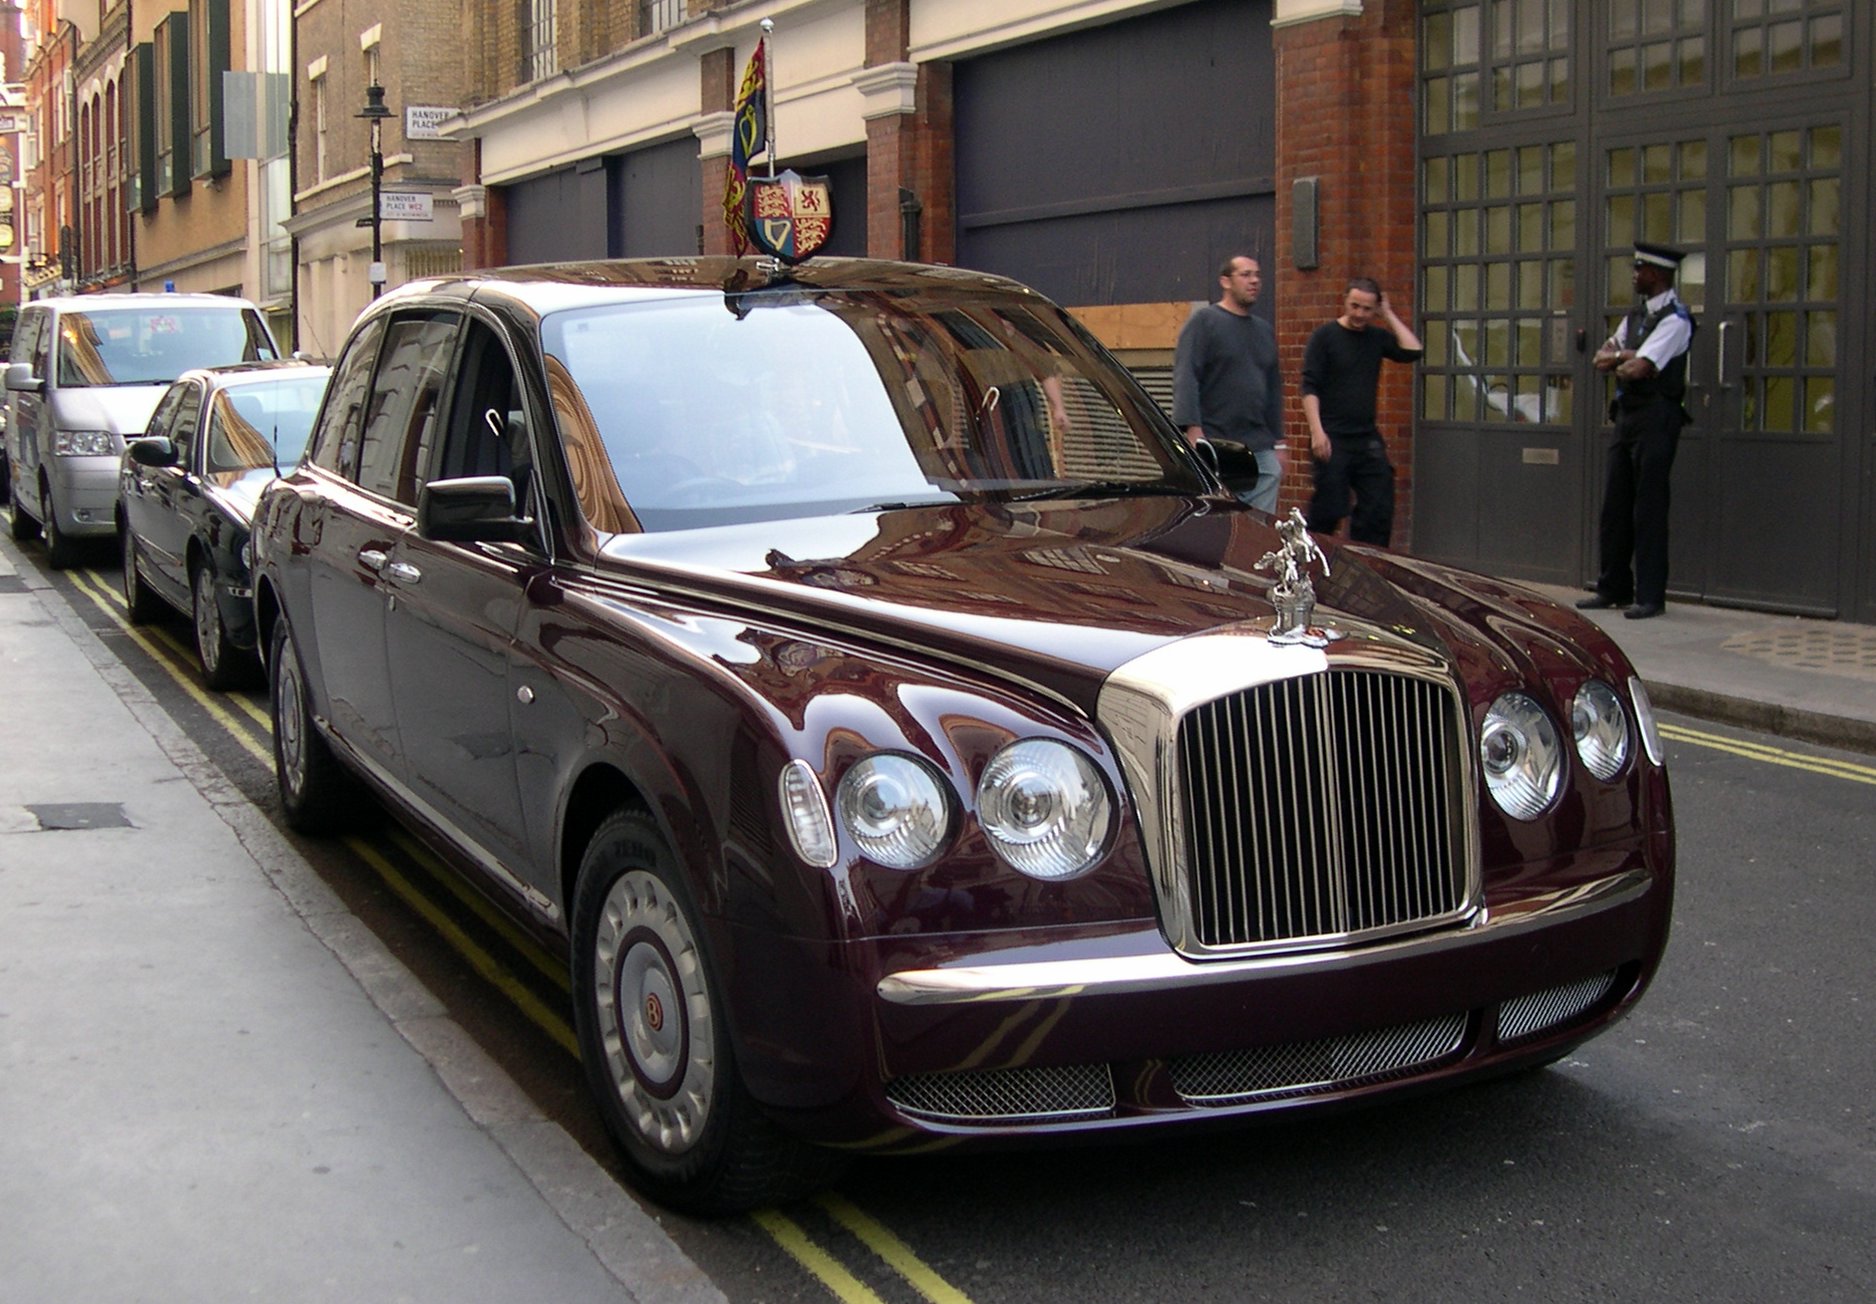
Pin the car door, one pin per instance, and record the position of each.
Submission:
(171, 495)
(32, 344)
(454, 609)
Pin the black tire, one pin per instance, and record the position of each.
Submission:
(140, 605)
(315, 790)
(224, 665)
(655, 1043)
(61, 549)
(19, 525)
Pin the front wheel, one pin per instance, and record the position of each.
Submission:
(315, 790)
(654, 1043)
(61, 548)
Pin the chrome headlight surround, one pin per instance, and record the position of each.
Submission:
(895, 809)
(1045, 808)
(1521, 756)
(84, 443)
(1645, 719)
(1601, 729)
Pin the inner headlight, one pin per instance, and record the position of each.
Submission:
(894, 809)
(1521, 756)
(1044, 807)
(1601, 729)
(83, 443)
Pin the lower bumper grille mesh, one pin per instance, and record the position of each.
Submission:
(1526, 1016)
(1007, 1095)
(1297, 1067)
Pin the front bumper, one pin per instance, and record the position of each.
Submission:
(995, 1037)
(84, 492)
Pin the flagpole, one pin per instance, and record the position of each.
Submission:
(768, 90)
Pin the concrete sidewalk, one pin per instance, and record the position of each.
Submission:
(214, 1082)
(1813, 680)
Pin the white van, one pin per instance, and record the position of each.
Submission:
(84, 373)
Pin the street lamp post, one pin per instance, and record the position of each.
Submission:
(375, 113)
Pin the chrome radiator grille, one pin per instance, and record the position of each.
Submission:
(1322, 807)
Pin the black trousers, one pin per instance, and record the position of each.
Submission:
(1357, 463)
(1634, 536)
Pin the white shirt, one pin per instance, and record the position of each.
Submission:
(1667, 341)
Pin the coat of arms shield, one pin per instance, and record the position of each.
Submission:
(790, 216)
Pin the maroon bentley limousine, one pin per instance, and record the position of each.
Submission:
(908, 742)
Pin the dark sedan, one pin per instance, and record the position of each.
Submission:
(186, 496)
(911, 744)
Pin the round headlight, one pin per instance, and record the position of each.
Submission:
(1601, 729)
(1044, 807)
(894, 809)
(1521, 755)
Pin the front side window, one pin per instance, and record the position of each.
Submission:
(401, 410)
(794, 403)
(152, 346)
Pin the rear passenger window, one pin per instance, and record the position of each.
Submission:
(335, 440)
(401, 412)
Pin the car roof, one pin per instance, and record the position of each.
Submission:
(549, 287)
(233, 374)
(104, 302)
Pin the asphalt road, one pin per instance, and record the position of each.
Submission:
(1718, 1145)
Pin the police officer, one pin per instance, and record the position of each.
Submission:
(1648, 354)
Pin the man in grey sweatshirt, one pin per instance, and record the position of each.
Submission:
(1226, 385)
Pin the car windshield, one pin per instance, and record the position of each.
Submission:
(152, 346)
(721, 409)
(263, 423)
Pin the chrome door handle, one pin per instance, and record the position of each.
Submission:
(374, 559)
(403, 572)
(1726, 328)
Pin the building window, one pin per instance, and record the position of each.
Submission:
(140, 138)
(1491, 58)
(538, 40)
(319, 126)
(1656, 47)
(208, 60)
(657, 15)
(1794, 36)
(172, 105)
(1497, 284)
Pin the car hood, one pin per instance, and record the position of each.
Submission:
(239, 492)
(123, 409)
(1056, 595)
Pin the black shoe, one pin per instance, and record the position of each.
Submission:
(1596, 602)
(1645, 610)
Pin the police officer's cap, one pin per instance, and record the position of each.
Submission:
(1658, 255)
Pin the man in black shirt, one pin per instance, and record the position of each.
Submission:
(1341, 372)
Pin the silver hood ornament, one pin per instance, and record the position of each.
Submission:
(1293, 595)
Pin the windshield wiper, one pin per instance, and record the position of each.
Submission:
(900, 504)
(1097, 489)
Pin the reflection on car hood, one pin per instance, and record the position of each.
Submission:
(124, 409)
(1057, 594)
(239, 492)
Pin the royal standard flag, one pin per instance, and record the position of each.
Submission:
(749, 134)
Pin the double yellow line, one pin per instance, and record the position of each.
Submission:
(1765, 755)
(178, 661)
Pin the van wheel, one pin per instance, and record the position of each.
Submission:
(140, 605)
(655, 1043)
(19, 525)
(222, 662)
(61, 551)
(315, 790)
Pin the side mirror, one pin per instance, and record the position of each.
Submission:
(20, 379)
(152, 451)
(474, 509)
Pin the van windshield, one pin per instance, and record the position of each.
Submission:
(152, 346)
